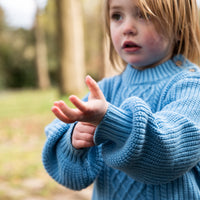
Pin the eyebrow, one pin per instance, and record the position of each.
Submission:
(115, 7)
(119, 7)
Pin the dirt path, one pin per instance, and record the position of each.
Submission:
(31, 190)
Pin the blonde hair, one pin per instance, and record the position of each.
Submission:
(177, 18)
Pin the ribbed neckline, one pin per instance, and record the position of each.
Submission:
(162, 71)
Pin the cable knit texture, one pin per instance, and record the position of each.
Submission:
(148, 143)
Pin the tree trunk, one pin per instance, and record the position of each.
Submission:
(41, 55)
(71, 46)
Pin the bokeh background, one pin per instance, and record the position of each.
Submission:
(46, 49)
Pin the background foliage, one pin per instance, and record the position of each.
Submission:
(25, 109)
(17, 49)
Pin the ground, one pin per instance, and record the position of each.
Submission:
(23, 116)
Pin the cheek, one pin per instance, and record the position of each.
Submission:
(115, 42)
(156, 42)
(115, 37)
(151, 39)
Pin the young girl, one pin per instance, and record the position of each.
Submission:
(136, 136)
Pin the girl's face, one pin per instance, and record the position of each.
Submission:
(135, 38)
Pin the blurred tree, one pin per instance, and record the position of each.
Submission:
(2, 82)
(41, 53)
(96, 55)
(97, 51)
(50, 27)
(71, 46)
(17, 58)
(17, 67)
(94, 37)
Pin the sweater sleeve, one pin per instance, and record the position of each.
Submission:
(75, 169)
(154, 148)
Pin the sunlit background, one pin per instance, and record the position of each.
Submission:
(21, 13)
(29, 42)
(28, 39)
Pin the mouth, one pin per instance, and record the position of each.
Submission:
(130, 46)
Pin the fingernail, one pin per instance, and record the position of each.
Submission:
(55, 103)
(88, 76)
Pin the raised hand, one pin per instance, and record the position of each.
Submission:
(91, 111)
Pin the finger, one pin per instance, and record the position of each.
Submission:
(94, 88)
(60, 115)
(78, 103)
(78, 144)
(88, 124)
(83, 127)
(84, 136)
(70, 113)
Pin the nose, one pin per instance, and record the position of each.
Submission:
(129, 27)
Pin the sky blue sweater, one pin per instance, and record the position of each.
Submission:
(148, 143)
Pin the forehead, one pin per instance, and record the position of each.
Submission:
(123, 4)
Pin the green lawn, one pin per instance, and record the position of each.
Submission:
(25, 103)
(23, 116)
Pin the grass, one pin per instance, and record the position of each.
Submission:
(23, 116)
(25, 103)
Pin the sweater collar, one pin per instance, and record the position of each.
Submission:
(162, 71)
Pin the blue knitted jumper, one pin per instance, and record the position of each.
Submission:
(147, 144)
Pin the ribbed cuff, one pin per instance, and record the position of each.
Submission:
(115, 126)
(67, 147)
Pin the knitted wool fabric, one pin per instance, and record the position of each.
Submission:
(148, 143)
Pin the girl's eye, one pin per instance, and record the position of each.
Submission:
(116, 17)
(140, 15)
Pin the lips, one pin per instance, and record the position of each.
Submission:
(130, 46)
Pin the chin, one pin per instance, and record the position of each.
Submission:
(137, 63)
(140, 67)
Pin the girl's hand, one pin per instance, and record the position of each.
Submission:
(92, 111)
(82, 136)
